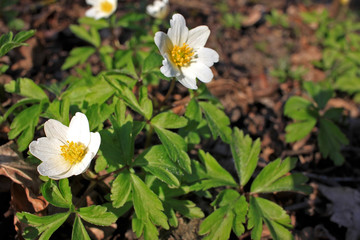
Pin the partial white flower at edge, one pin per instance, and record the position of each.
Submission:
(159, 9)
(185, 56)
(66, 151)
(101, 8)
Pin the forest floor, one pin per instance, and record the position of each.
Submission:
(245, 84)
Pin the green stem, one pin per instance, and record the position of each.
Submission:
(171, 89)
(149, 135)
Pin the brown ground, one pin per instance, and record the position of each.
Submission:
(253, 99)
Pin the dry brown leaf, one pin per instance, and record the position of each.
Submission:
(345, 208)
(26, 183)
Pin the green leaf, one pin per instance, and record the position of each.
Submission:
(106, 56)
(46, 225)
(214, 176)
(79, 231)
(58, 110)
(78, 55)
(145, 103)
(24, 124)
(272, 214)
(299, 108)
(217, 120)
(91, 37)
(59, 196)
(271, 173)
(320, 94)
(333, 114)
(126, 94)
(24, 35)
(169, 120)
(121, 189)
(330, 140)
(96, 23)
(153, 60)
(27, 88)
(175, 147)
(245, 153)
(147, 205)
(185, 207)
(299, 130)
(156, 161)
(97, 215)
(218, 224)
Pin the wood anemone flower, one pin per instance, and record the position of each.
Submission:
(66, 151)
(159, 9)
(101, 8)
(185, 56)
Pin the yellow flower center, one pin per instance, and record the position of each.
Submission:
(73, 152)
(106, 7)
(181, 56)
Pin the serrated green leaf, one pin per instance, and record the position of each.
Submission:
(97, 215)
(91, 37)
(299, 108)
(126, 94)
(96, 23)
(153, 60)
(294, 182)
(215, 170)
(78, 55)
(59, 196)
(121, 189)
(218, 224)
(245, 153)
(46, 225)
(24, 124)
(147, 205)
(156, 160)
(27, 88)
(298, 130)
(272, 214)
(333, 114)
(24, 35)
(272, 172)
(145, 103)
(79, 231)
(169, 120)
(330, 139)
(218, 121)
(175, 147)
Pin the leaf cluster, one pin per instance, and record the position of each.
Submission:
(308, 114)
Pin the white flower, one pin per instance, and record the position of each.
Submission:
(159, 9)
(66, 151)
(101, 8)
(185, 56)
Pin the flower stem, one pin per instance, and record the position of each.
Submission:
(171, 89)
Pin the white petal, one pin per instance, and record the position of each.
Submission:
(79, 129)
(207, 56)
(92, 150)
(54, 167)
(178, 32)
(55, 129)
(92, 12)
(91, 2)
(45, 148)
(187, 82)
(168, 69)
(163, 42)
(203, 72)
(198, 37)
(66, 174)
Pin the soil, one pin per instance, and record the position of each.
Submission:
(252, 97)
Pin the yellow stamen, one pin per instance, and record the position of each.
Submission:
(106, 7)
(73, 152)
(181, 56)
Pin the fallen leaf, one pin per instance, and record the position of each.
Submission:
(345, 208)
